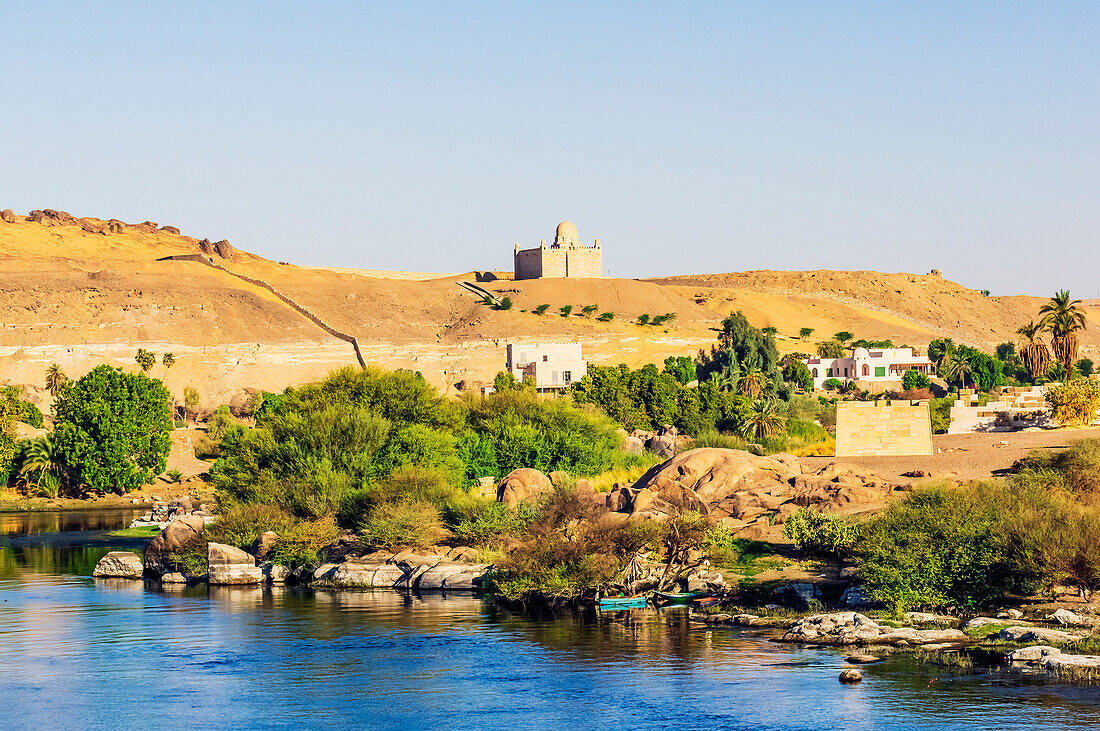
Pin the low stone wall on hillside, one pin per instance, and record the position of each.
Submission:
(882, 429)
(287, 300)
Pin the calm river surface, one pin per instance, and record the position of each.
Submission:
(77, 653)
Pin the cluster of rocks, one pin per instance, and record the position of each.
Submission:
(665, 442)
(222, 248)
(50, 217)
(438, 568)
(454, 569)
(162, 514)
(746, 491)
(853, 628)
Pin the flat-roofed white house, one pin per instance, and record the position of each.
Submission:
(550, 366)
(875, 364)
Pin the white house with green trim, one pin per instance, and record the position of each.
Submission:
(877, 364)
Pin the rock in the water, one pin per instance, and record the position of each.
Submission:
(1036, 634)
(848, 675)
(219, 554)
(520, 484)
(1031, 654)
(8, 216)
(852, 628)
(862, 659)
(119, 565)
(173, 577)
(228, 565)
(275, 573)
(179, 533)
(1062, 661)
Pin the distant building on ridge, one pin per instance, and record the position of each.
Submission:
(566, 257)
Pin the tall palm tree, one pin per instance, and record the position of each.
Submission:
(763, 422)
(955, 367)
(941, 355)
(1063, 317)
(55, 379)
(1033, 351)
(753, 382)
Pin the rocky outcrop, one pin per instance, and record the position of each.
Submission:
(170, 230)
(225, 250)
(119, 565)
(1031, 654)
(8, 216)
(519, 485)
(406, 570)
(853, 628)
(179, 533)
(741, 488)
(227, 565)
(1036, 634)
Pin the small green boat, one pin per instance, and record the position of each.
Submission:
(621, 602)
(669, 597)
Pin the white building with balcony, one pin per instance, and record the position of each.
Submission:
(872, 365)
(550, 366)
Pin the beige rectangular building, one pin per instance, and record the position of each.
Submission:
(881, 429)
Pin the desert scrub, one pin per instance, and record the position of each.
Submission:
(490, 523)
(301, 543)
(190, 560)
(742, 555)
(409, 523)
(821, 534)
(241, 525)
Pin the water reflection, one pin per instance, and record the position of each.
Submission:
(81, 652)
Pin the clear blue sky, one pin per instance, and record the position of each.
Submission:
(688, 137)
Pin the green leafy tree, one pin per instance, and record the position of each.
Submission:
(1063, 317)
(664, 319)
(55, 379)
(606, 317)
(541, 309)
(773, 331)
(505, 303)
(643, 319)
(1085, 367)
(112, 428)
(830, 349)
(913, 380)
(797, 372)
(589, 310)
(145, 359)
(843, 336)
(742, 348)
(7, 440)
(1006, 352)
(682, 368)
(566, 311)
(805, 333)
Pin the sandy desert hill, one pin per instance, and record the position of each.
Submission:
(83, 291)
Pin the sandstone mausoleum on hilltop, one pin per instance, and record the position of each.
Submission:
(566, 257)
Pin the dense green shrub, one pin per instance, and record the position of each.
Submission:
(1075, 403)
(300, 543)
(831, 384)
(682, 368)
(488, 523)
(1076, 469)
(112, 428)
(408, 523)
(940, 414)
(241, 525)
(913, 379)
(21, 410)
(820, 534)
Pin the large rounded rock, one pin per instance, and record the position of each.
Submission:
(714, 474)
(179, 533)
(119, 565)
(8, 216)
(219, 554)
(228, 565)
(519, 485)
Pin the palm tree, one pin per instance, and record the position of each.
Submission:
(753, 382)
(955, 367)
(168, 360)
(1033, 351)
(1063, 317)
(55, 379)
(805, 333)
(941, 355)
(763, 422)
(42, 458)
